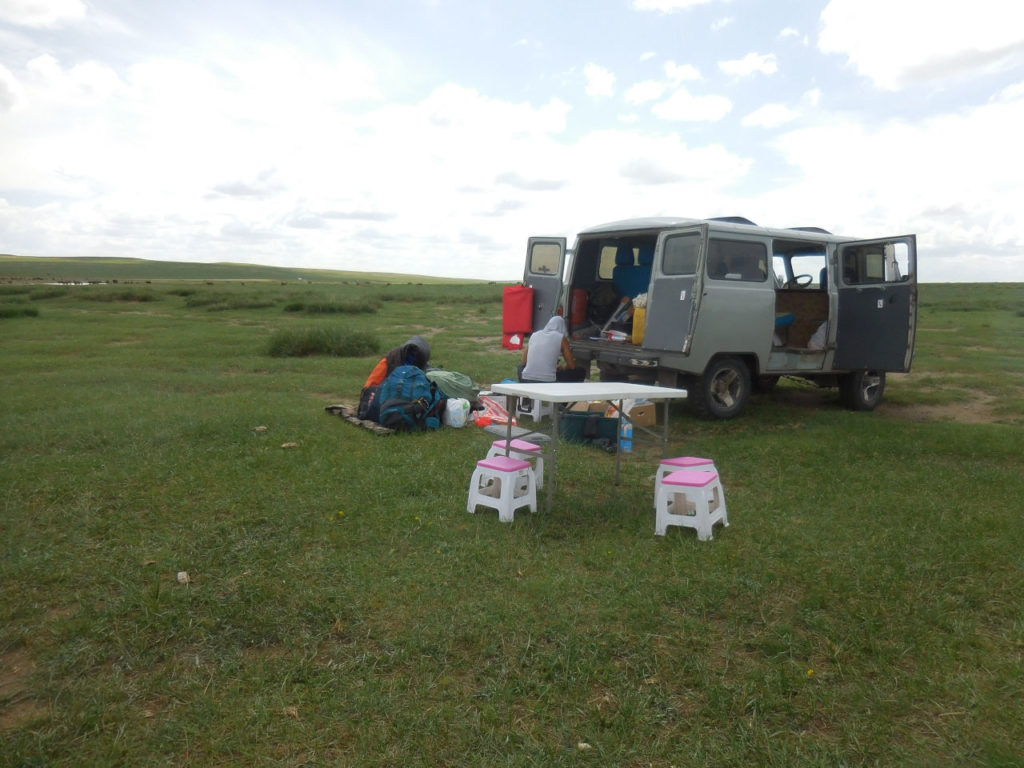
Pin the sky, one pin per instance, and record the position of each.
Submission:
(433, 137)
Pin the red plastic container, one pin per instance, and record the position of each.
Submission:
(517, 313)
(578, 312)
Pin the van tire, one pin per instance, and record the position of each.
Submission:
(723, 391)
(862, 390)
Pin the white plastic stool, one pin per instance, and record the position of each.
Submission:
(504, 484)
(682, 489)
(689, 463)
(535, 409)
(523, 450)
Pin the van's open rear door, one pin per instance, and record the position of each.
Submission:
(545, 260)
(877, 309)
(674, 298)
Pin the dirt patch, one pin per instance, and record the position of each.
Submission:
(976, 411)
(17, 708)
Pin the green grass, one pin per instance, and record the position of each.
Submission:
(320, 340)
(8, 311)
(103, 269)
(334, 308)
(863, 608)
(131, 295)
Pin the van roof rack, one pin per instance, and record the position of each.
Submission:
(733, 220)
(819, 230)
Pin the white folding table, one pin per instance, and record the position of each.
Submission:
(613, 392)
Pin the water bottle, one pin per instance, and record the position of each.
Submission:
(626, 436)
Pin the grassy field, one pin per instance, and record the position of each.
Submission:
(101, 269)
(864, 607)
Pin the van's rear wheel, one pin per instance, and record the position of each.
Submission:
(723, 391)
(862, 390)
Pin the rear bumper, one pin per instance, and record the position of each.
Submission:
(615, 353)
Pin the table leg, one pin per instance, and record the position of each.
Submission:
(550, 479)
(511, 404)
(664, 432)
(618, 440)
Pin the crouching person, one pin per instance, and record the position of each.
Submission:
(416, 351)
(540, 358)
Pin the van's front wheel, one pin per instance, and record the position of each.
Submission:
(724, 389)
(862, 390)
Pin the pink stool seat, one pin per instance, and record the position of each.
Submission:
(518, 445)
(690, 462)
(690, 479)
(504, 463)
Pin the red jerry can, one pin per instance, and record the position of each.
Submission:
(517, 315)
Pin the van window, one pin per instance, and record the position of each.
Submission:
(809, 264)
(799, 264)
(737, 260)
(606, 265)
(880, 263)
(544, 258)
(681, 252)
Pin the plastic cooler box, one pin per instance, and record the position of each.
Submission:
(583, 426)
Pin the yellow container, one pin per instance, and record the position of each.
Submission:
(639, 324)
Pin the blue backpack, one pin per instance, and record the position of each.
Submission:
(409, 401)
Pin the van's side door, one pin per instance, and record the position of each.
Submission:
(545, 260)
(877, 304)
(676, 284)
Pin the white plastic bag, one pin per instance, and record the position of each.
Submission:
(817, 341)
(456, 412)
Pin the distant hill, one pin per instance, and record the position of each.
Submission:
(83, 269)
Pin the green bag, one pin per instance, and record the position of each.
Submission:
(455, 384)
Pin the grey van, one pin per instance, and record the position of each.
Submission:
(731, 306)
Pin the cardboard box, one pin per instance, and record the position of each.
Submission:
(644, 415)
(597, 406)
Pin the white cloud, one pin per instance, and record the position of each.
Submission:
(260, 175)
(667, 6)
(682, 105)
(896, 44)
(643, 92)
(86, 83)
(41, 13)
(10, 89)
(770, 116)
(751, 64)
(722, 23)
(667, 160)
(917, 176)
(600, 81)
(518, 181)
(812, 98)
(791, 33)
(679, 73)
(298, 146)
